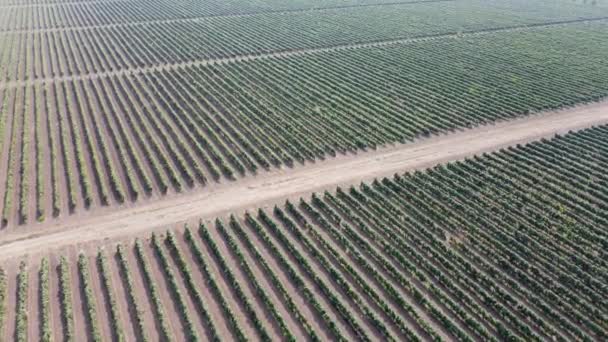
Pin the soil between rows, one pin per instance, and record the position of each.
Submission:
(275, 186)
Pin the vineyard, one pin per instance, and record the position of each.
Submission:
(223, 170)
(106, 139)
(504, 246)
(19, 15)
(47, 53)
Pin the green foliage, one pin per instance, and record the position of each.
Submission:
(159, 311)
(65, 297)
(89, 297)
(106, 283)
(22, 301)
(131, 292)
(123, 135)
(189, 327)
(232, 281)
(46, 334)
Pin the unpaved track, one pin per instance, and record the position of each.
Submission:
(274, 187)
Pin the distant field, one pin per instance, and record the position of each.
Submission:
(19, 15)
(506, 246)
(98, 140)
(78, 48)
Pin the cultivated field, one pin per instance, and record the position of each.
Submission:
(303, 170)
(108, 139)
(48, 52)
(271, 188)
(507, 246)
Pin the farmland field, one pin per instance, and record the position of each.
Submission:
(47, 53)
(506, 246)
(303, 170)
(98, 113)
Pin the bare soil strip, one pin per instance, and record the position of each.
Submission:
(288, 53)
(55, 300)
(33, 301)
(273, 187)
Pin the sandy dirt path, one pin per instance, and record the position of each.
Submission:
(275, 186)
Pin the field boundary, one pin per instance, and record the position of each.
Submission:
(274, 187)
(290, 53)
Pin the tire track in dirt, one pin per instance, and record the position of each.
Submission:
(46, 163)
(30, 172)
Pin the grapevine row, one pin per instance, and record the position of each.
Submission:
(120, 138)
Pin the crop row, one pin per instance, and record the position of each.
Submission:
(21, 318)
(33, 14)
(46, 330)
(89, 298)
(152, 288)
(47, 54)
(505, 246)
(131, 13)
(65, 299)
(106, 280)
(114, 139)
(133, 302)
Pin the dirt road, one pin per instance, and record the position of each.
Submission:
(274, 187)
